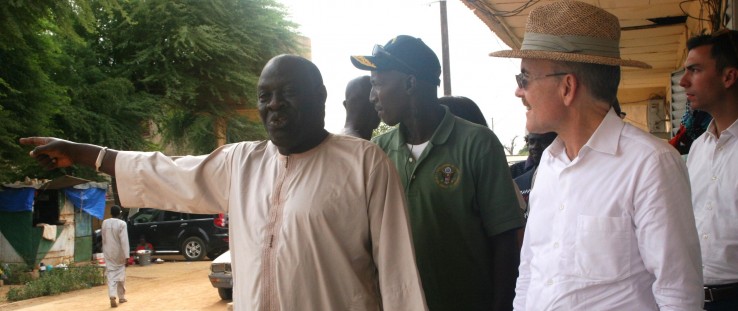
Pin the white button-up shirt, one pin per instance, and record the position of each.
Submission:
(713, 173)
(611, 230)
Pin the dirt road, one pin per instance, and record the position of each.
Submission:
(172, 285)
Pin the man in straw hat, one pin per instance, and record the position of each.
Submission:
(611, 224)
(711, 83)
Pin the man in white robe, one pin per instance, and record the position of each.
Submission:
(317, 221)
(116, 252)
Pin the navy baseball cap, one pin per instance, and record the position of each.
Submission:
(405, 54)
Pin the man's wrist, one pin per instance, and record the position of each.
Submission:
(100, 158)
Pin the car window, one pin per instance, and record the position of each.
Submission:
(146, 216)
(172, 216)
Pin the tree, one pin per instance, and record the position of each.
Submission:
(102, 71)
(524, 151)
(511, 148)
(30, 33)
(201, 58)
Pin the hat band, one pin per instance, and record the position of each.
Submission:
(571, 44)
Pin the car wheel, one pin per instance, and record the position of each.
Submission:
(193, 248)
(225, 293)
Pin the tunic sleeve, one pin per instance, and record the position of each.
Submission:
(392, 247)
(191, 184)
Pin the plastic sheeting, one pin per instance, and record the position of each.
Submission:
(89, 197)
(16, 199)
(90, 200)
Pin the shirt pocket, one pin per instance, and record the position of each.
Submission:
(602, 249)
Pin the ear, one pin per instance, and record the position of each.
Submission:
(344, 104)
(322, 94)
(730, 77)
(569, 88)
(410, 84)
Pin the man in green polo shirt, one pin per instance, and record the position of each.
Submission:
(462, 204)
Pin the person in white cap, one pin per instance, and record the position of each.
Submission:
(611, 224)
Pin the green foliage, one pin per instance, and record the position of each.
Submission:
(202, 58)
(28, 96)
(30, 33)
(524, 150)
(190, 133)
(382, 128)
(58, 281)
(16, 273)
(114, 73)
(243, 129)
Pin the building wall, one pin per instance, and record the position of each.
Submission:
(19, 227)
(635, 103)
(62, 249)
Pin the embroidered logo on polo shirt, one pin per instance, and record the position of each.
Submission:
(446, 175)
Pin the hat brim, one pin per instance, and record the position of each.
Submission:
(370, 63)
(570, 57)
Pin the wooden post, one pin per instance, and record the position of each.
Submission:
(444, 43)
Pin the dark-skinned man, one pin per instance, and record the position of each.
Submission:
(361, 118)
(317, 221)
(462, 204)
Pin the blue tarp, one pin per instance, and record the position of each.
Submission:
(16, 199)
(89, 197)
(90, 200)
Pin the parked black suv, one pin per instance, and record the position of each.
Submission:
(192, 235)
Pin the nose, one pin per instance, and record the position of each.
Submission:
(519, 92)
(684, 81)
(373, 97)
(275, 102)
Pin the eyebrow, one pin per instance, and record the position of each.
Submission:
(691, 66)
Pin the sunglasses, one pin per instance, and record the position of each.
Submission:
(379, 51)
(523, 79)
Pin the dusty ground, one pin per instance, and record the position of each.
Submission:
(172, 285)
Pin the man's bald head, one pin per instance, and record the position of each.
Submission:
(292, 103)
(361, 118)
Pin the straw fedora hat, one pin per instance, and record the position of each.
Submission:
(572, 31)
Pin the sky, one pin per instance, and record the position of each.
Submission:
(340, 28)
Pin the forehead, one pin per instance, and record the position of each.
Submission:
(699, 55)
(387, 76)
(280, 73)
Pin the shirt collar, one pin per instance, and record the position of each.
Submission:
(607, 136)
(605, 139)
(440, 136)
(712, 129)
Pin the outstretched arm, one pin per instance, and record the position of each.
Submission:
(54, 153)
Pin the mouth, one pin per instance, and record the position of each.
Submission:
(277, 122)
